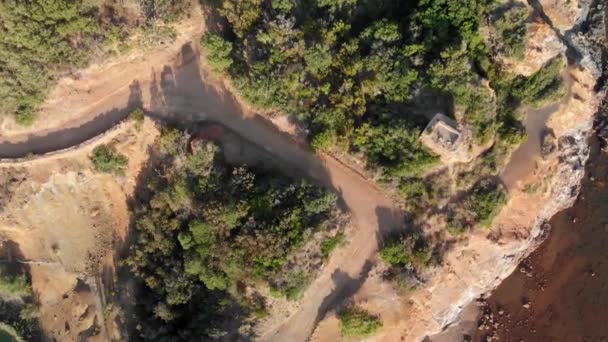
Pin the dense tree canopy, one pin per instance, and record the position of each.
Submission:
(206, 230)
(340, 65)
(40, 39)
(37, 37)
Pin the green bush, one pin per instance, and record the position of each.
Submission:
(396, 146)
(29, 312)
(543, 86)
(485, 201)
(455, 226)
(9, 334)
(152, 33)
(208, 230)
(330, 243)
(410, 251)
(324, 141)
(356, 322)
(453, 74)
(137, 115)
(165, 10)
(106, 159)
(18, 312)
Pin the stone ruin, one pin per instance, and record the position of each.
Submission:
(441, 134)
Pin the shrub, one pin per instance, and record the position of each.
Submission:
(356, 322)
(29, 312)
(295, 284)
(395, 146)
(138, 116)
(153, 33)
(485, 202)
(330, 243)
(543, 86)
(453, 74)
(106, 159)
(14, 286)
(10, 333)
(418, 193)
(455, 226)
(409, 251)
(323, 141)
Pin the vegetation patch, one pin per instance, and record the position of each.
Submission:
(342, 66)
(41, 39)
(218, 51)
(406, 252)
(14, 286)
(485, 201)
(106, 159)
(9, 334)
(208, 233)
(396, 147)
(35, 38)
(18, 313)
(293, 286)
(330, 243)
(137, 116)
(543, 86)
(511, 28)
(356, 322)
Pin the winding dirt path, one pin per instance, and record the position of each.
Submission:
(181, 93)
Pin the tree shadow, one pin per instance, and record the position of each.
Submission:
(186, 96)
(390, 221)
(345, 287)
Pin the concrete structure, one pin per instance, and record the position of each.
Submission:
(441, 134)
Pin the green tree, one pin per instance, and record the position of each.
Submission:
(241, 14)
(395, 146)
(218, 51)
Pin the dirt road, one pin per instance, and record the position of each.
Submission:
(181, 94)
